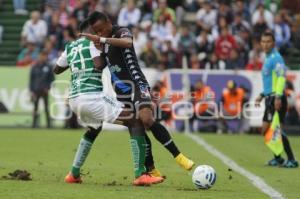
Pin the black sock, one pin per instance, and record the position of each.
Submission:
(91, 134)
(287, 147)
(149, 162)
(162, 135)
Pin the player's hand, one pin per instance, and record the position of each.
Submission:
(277, 103)
(93, 38)
(258, 101)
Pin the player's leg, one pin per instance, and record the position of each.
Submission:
(82, 153)
(35, 100)
(267, 120)
(149, 161)
(115, 113)
(46, 105)
(291, 162)
(162, 135)
(139, 148)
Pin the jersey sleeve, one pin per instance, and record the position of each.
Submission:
(94, 51)
(124, 33)
(62, 60)
(280, 71)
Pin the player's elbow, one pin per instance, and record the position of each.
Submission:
(128, 43)
(56, 70)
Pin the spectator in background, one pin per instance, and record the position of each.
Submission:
(81, 11)
(129, 15)
(51, 52)
(233, 99)
(55, 32)
(214, 63)
(139, 40)
(41, 77)
(224, 44)
(259, 28)
(34, 29)
(256, 51)
(149, 55)
(262, 14)
(282, 33)
(19, 6)
(54, 4)
(206, 17)
(216, 30)
(255, 63)
(239, 24)
(161, 30)
(172, 54)
(204, 43)
(225, 11)
(241, 8)
(47, 15)
(28, 55)
(202, 96)
(187, 41)
(163, 9)
(235, 61)
(63, 14)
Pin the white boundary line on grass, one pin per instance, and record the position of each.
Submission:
(254, 179)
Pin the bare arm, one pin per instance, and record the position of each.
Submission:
(58, 70)
(118, 42)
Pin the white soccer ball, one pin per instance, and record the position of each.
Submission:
(204, 177)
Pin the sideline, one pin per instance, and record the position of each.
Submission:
(254, 179)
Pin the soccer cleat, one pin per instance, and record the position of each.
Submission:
(71, 179)
(156, 173)
(291, 164)
(146, 180)
(184, 162)
(276, 162)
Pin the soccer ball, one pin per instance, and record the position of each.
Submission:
(204, 177)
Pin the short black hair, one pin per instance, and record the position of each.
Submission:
(268, 34)
(95, 16)
(84, 25)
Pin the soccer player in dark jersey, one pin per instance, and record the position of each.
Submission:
(92, 106)
(128, 79)
(274, 77)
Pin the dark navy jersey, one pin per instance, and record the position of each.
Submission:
(126, 74)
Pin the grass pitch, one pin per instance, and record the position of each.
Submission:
(48, 155)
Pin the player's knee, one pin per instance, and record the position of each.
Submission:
(92, 133)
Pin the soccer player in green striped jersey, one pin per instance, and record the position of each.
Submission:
(92, 106)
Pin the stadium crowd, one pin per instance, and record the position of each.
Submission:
(216, 34)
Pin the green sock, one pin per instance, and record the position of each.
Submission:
(138, 147)
(83, 150)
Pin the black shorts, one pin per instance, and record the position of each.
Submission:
(140, 98)
(270, 110)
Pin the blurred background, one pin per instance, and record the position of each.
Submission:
(218, 38)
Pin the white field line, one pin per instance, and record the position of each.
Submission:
(254, 179)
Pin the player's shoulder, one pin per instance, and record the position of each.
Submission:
(121, 31)
(276, 56)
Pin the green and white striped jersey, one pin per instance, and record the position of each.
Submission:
(78, 55)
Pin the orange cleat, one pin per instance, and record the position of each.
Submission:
(146, 180)
(71, 179)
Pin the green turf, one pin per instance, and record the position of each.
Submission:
(48, 156)
(250, 152)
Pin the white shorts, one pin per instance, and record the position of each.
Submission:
(93, 109)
